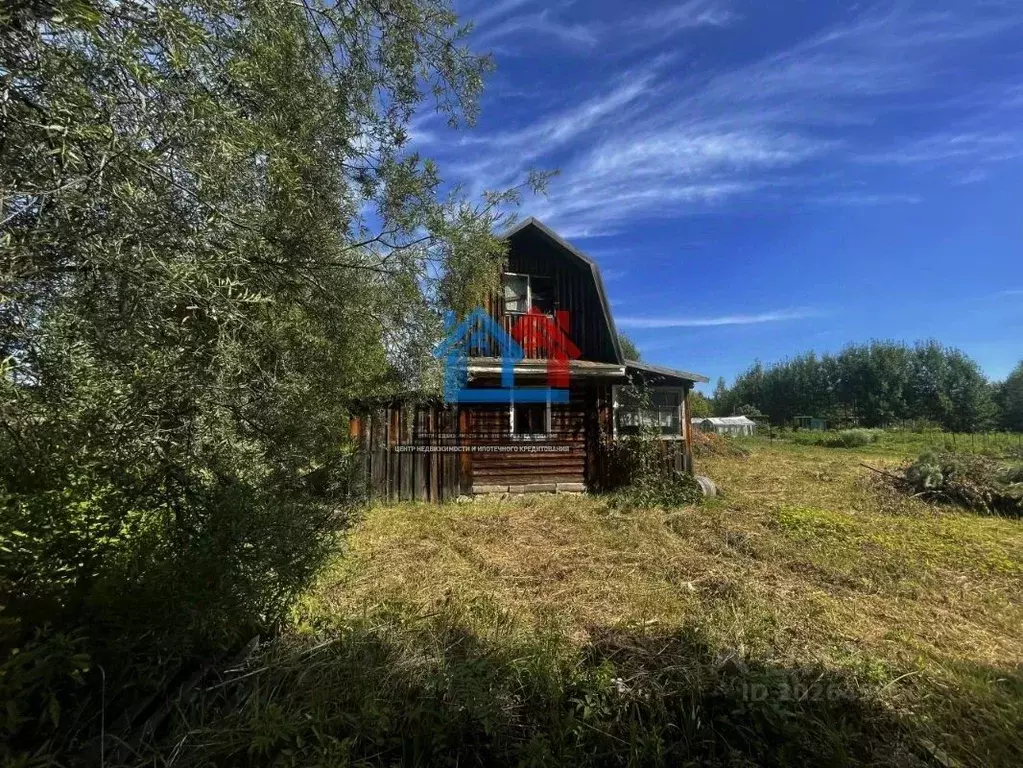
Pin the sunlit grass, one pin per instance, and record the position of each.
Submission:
(805, 563)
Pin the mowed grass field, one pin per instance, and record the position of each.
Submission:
(810, 615)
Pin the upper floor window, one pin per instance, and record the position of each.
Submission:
(521, 292)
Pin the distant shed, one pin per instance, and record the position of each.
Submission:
(726, 425)
(810, 422)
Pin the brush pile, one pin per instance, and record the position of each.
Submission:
(968, 480)
(711, 444)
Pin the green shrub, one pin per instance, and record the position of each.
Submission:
(846, 438)
(803, 437)
(853, 438)
(665, 489)
(642, 474)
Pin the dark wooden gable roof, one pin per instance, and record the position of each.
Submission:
(534, 246)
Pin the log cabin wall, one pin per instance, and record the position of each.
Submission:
(514, 470)
(531, 252)
(582, 426)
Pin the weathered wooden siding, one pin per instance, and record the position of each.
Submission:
(490, 425)
(391, 475)
(575, 290)
(583, 425)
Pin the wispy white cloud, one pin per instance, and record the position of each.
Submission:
(1011, 292)
(667, 138)
(719, 320)
(543, 23)
(482, 15)
(555, 130)
(691, 14)
(847, 198)
(523, 22)
(975, 146)
(611, 275)
(973, 176)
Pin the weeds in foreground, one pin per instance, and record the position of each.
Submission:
(450, 688)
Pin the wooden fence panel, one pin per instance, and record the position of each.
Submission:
(408, 475)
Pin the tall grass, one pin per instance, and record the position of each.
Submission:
(903, 442)
(809, 616)
(453, 688)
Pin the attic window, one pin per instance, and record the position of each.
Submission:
(541, 294)
(521, 292)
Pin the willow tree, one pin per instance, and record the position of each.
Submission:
(214, 238)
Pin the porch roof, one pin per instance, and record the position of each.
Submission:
(669, 374)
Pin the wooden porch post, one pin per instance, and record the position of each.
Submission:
(687, 428)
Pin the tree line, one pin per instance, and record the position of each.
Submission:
(883, 383)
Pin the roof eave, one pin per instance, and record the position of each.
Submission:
(590, 372)
(695, 378)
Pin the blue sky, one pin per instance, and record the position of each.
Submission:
(757, 179)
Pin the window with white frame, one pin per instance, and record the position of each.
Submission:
(656, 410)
(530, 419)
(522, 292)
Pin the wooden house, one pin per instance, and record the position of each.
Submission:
(545, 391)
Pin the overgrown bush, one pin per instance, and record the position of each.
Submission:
(803, 437)
(642, 474)
(213, 239)
(672, 488)
(846, 438)
(853, 438)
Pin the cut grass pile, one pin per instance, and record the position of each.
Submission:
(810, 616)
(972, 481)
